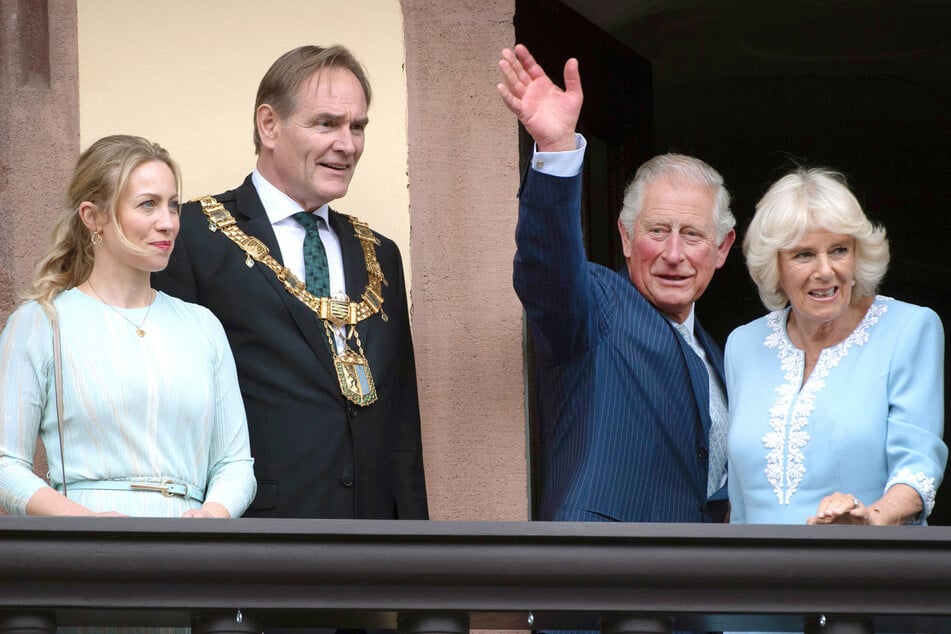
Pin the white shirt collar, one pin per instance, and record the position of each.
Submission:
(278, 205)
(688, 322)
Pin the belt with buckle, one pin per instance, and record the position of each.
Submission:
(167, 487)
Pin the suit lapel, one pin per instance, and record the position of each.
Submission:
(253, 220)
(713, 352)
(699, 379)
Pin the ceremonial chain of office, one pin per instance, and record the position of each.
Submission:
(353, 370)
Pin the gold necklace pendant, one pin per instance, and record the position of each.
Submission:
(139, 330)
(353, 370)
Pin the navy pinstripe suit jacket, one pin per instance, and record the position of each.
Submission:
(623, 400)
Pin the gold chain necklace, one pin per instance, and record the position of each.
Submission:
(353, 369)
(138, 327)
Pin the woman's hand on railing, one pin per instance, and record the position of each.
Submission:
(208, 510)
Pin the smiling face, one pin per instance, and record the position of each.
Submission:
(817, 275)
(147, 212)
(672, 251)
(311, 154)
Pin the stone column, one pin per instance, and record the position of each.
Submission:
(467, 321)
(39, 136)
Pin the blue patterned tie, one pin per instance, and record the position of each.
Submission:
(316, 273)
(718, 416)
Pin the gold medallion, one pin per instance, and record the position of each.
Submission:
(353, 374)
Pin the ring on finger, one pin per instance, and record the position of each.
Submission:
(856, 502)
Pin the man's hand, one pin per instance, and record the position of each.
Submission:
(549, 113)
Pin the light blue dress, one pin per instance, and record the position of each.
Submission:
(163, 405)
(871, 414)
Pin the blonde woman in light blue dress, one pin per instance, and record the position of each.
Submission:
(153, 419)
(837, 395)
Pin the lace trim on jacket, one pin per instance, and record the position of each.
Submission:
(920, 482)
(789, 415)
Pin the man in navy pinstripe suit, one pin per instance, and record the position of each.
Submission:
(632, 411)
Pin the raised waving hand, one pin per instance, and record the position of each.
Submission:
(549, 113)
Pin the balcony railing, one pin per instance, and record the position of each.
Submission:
(242, 575)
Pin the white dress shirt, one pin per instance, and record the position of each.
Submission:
(290, 235)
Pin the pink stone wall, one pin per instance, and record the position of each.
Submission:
(39, 131)
(467, 322)
(39, 136)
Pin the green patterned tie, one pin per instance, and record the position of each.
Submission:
(317, 275)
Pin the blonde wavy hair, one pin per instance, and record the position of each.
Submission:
(101, 173)
(809, 200)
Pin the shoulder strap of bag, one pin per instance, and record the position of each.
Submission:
(58, 380)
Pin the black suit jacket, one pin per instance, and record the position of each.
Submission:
(315, 454)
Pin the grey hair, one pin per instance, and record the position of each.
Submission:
(679, 169)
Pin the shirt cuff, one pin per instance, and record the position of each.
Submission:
(564, 164)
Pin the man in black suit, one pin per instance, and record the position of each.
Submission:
(319, 327)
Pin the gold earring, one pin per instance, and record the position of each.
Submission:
(96, 237)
